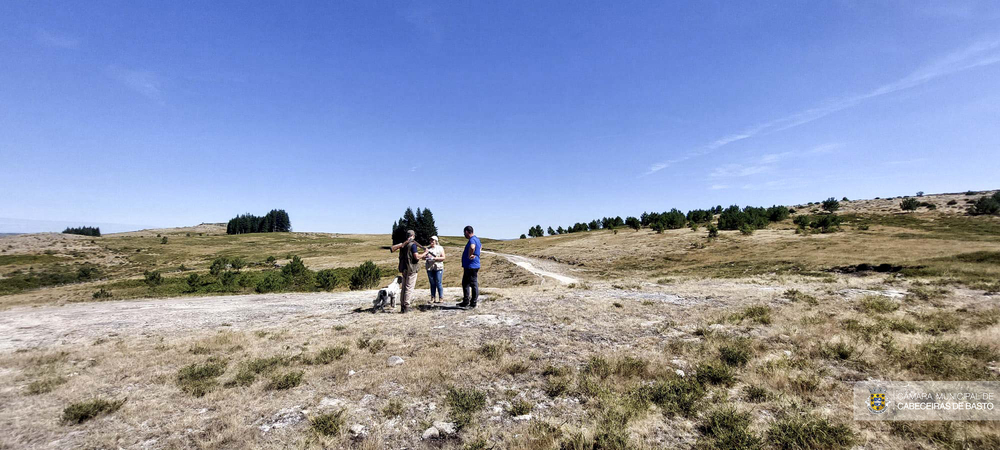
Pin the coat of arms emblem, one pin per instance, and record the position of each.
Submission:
(877, 401)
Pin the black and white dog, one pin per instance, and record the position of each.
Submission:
(387, 295)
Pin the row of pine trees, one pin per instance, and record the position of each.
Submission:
(274, 221)
(86, 231)
(422, 223)
(731, 218)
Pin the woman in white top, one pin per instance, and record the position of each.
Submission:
(434, 261)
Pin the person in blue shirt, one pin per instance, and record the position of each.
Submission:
(470, 270)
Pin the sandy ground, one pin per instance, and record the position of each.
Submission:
(28, 327)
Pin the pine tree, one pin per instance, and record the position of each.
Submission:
(551, 231)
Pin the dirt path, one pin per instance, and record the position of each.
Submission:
(531, 265)
(40, 327)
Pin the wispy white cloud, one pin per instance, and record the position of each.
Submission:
(767, 163)
(145, 83)
(718, 186)
(50, 39)
(979, 54)
(738, 170)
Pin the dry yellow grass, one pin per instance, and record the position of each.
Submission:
(795, 335)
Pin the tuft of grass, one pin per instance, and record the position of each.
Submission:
(463, 404)
(949, 360)
(81, 412)
(556, 386)
(796, 295)
(329, 424)
(329, 354)
(877, 304)
(809, 432)
(727, 428)
(551, 370)
(200, 379)
(938, 323)
(631, 366)
(285, 381)
(760, 314)
(736, 354)
(837, 350)
(714, 373)
(250, 369)
(756, 394)
(44, 385)
(393, 409)
(676, 395)
(494, 351)
(598, 367)
(516, 368)
(520, 407)
(373, 345)
(617, 305)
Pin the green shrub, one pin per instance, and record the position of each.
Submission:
(81, 412)
(520, 407)
(463, 404)
(218, 265)
(726, 428)
(985, 206)
(952, 202)
(329, 355)
(329, 424)
(746, 229)
(153, 278)
(193, 282)
(271, 282)
(199, 379)
(877, 304)
(101, 294)
(327, 279)
(714, 373)
(366, 276)
(676, 395)
(947, 359)
(285, 381)
(755, 394)
(713, 231)
(44, 385)
(809, 432)
(909, 204)
(736, 354)
(164, 240)
(831, 205)
(250, 369)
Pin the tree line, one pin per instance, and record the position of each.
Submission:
(421, 222)
(275, 221)
(86, 231)
(731, 218)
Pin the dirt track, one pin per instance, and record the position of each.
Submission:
(41, 327)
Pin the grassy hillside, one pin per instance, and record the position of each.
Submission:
(43, 268)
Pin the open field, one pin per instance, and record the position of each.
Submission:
(667, 340)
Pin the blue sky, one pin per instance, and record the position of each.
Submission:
(502, 115)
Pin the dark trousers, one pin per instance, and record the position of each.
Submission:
(470, 282)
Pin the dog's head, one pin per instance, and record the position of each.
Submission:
(399, 280)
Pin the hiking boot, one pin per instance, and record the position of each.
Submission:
(464, 304)
(404, 309)
(472, 305)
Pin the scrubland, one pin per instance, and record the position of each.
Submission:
(668, 340)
